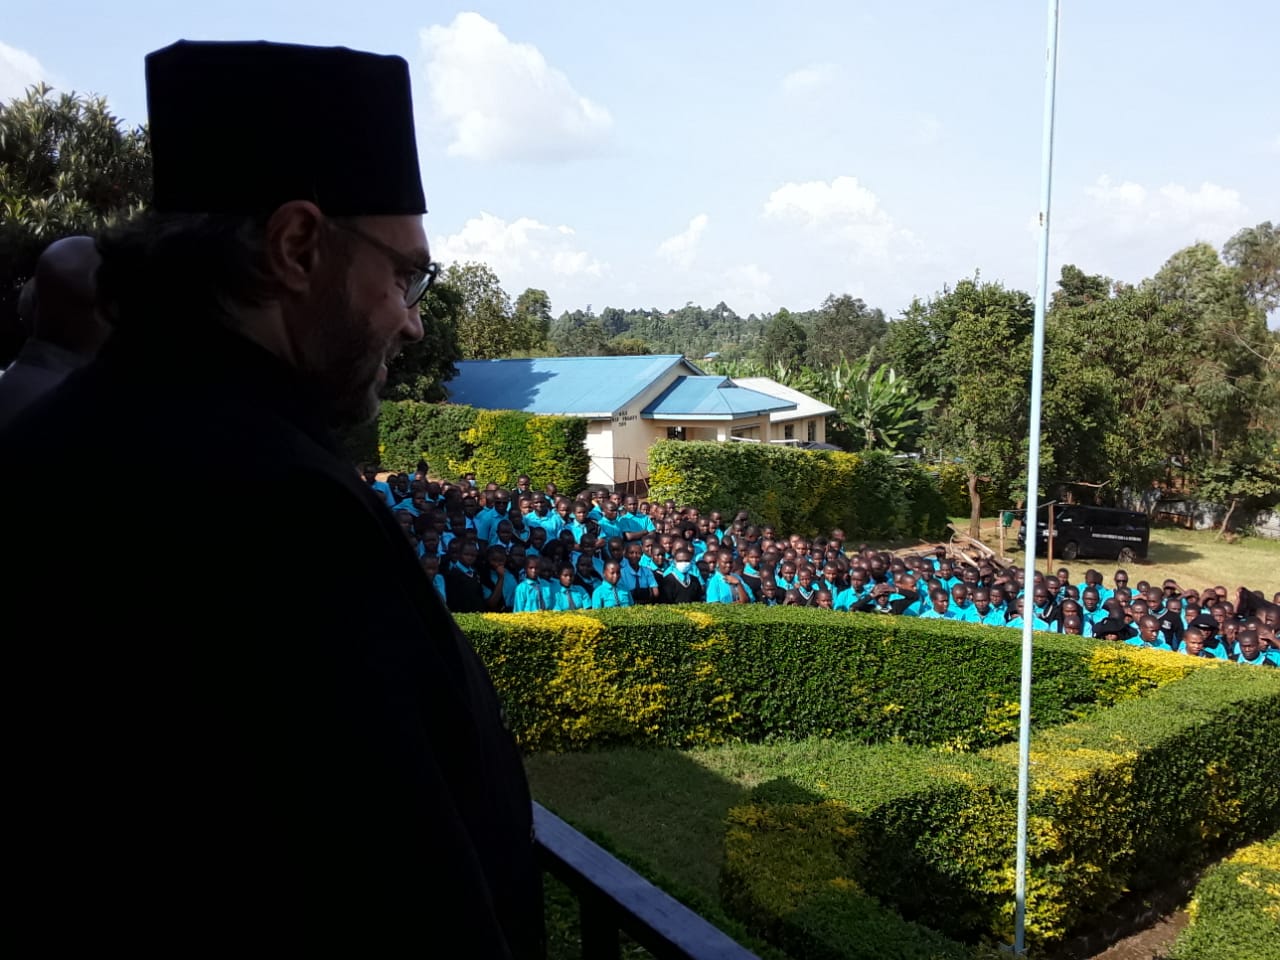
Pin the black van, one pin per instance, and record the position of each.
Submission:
(1083, 531)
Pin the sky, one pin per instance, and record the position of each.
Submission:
(767, 155)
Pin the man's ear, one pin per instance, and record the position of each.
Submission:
(295, 245)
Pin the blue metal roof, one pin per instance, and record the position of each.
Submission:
(580, 386)
(715, 398)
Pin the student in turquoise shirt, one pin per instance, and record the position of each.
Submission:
(487, 519)
(982, 612)
(1149, 635)
(785, 577)
(498, 597)
(431, 567)
(636, 577)
(1091, 609)
(586, 573)
(1015, 618)
(634, 526)
(609, 593)
(530, 595)
(578, 525)
(853, 594)
(1193, 645)
(1249, 651)
(946, 576)
(940, 607)
(960, 604)
(608, 522)
(723, 586)
(571, 596)
(655, 558)
(542, 516)
(1093, 581)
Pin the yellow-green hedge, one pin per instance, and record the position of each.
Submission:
(684, 676)
(498, 445)
(869, 495)
(1235, 912)
(1118, 800)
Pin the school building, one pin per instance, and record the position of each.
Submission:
(631, 402)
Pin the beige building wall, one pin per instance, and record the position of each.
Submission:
(599, 445)
(799, 429)
(624, 439)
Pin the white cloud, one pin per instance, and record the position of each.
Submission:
(1128, 229)
(816, 201)
(843, 212)
(810, 78)
(746, 288)
(681, 249)
(1172, 214)
(502, 100)
(1275, 144)
(18, 70)
(522, 252)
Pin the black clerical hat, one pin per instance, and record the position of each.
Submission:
(240, 128)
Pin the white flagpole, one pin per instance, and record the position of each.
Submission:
(1033, 482)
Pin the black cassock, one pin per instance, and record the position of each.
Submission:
(241, 719)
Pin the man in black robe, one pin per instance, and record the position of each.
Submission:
(254, 729)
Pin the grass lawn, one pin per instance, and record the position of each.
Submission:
(1195, 558)
(665, 809)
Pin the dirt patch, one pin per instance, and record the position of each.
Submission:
(1152, 943)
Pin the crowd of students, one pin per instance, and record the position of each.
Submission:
(523, 550)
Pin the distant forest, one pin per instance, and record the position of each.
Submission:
(841, 326)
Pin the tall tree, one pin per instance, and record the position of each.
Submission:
(1255, 253)
(484, 322)
(784, 341)
(531, 321)
(982, 334)
(423, 368)
(67, 166)
(844, 328)
(1079, 289)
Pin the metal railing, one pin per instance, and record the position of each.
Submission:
(614, 899)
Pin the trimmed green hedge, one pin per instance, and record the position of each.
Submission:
(870, 495)
(1235, 912)
(409, 431)
(498, 445)
(681, 676)
(1118, 800)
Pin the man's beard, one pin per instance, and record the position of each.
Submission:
(341, 361)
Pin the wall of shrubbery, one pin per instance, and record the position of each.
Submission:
(498, 445)
(1235, 911)
(1143, 763)
(684, 676)
(870, 496)
(1121, 800)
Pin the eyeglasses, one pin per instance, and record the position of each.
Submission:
(417, 277)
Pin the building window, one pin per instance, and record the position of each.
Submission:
(675, 433)
(813, 431)
(789, 432)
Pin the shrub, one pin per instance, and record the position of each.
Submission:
(506, 443)
(1235, 911)
(498, 445)
(1117, 801)
(681, 676)
(409, 431)
(870, 495)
